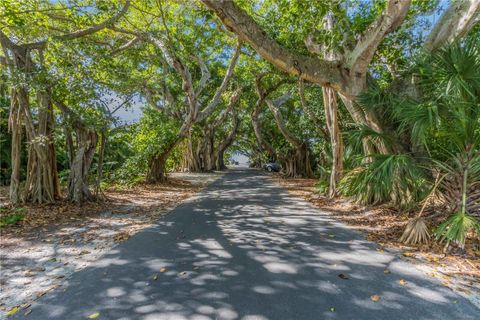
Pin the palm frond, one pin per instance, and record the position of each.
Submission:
(456, 228)
(386, 178)
(416, 232)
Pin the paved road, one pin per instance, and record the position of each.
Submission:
(245, 249)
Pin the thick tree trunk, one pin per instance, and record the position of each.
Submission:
(42, 184)
(220, 161)
(15, 127)
(202, 158)
(208, 152)
(192, 157)
(297, 163)
(156, 168)
(80, 155)
(331, 115)
(78, 186)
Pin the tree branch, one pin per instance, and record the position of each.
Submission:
(231, 135)
(456, 21)
(324, 73)
(218, 94)
(274, 108)
(205, 76)
(130, 43)
(82, 32)
(361, 56)
(233, 101)
(262, 95)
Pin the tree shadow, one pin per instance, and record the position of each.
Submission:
(245, 249)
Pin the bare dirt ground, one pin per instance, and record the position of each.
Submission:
(53, 241)
(458, 270)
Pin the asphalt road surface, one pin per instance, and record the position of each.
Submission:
(246, 249)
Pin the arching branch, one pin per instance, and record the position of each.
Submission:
(456, 21)
(205, 76)
(361, 56)
(325, 73)
(82, 32)
(274, 108)
(218, 93)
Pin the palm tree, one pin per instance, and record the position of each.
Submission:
(438, 123)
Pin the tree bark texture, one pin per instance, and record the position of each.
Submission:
(15, 127)
(157, 164)
(42, 183)
(78, 186)
(336, 141)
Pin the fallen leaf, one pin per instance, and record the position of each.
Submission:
(375, 298)
(408, 254)
(386, 271)
(155, 277)
(163, 270)
(94, 315)
(402, 282)
(12, 311)
(28, 312)
(342, 276)
(332, 309)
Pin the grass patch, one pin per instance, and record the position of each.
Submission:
(12, 218)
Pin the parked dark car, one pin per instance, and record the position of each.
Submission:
(272, 166)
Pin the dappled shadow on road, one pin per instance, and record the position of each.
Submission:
(56, 240)
(245, 249)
